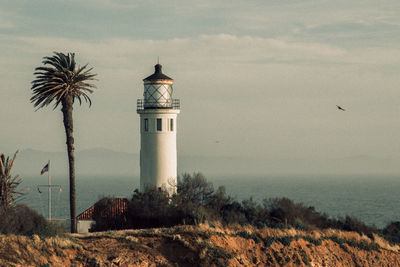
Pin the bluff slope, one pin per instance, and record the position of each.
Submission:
(202, 245)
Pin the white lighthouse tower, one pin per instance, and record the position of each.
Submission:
(158, 125)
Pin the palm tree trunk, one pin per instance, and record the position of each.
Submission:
(68, 125)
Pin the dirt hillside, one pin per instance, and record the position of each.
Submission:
(200, 246)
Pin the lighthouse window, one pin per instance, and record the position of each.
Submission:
(159, 124)
(171, 125)
(146, 125)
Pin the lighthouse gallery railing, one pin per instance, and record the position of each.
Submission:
(141, 104)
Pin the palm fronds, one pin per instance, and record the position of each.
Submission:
(61, 77)
(8, 184)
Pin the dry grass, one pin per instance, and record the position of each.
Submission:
(62, 243)
(202, 231)
(383, 243)
(210, 241)
(133, 239)
(291, 232)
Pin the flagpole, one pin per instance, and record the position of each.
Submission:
(49, 180)
(49, 186)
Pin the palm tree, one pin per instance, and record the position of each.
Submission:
(62, 81)
(8, 184)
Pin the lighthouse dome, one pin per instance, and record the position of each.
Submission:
(158, 90)
(157, 75)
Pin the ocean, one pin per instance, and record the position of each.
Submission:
(373, 199)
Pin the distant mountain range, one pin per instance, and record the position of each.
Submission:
(101, 161)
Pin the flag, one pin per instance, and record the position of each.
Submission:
(45, 169)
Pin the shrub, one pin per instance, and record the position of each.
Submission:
(152, 208)
(194, 189)
(196, 202)
(103, 216)
(24, 221)
(354, 224)
(233, 213)
(285, 211)
(392, 232)
(195, 199)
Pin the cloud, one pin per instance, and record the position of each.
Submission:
(234, 48)
(212, 52)
(6, 21)
(117, 4)
(212, 56)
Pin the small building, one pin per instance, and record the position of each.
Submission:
(85, 219)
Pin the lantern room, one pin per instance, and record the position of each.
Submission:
(158, 90)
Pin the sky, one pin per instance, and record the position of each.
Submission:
(256, 78)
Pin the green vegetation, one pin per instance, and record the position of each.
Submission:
(22, 220)
(17, 218)
(392, 232)
(8, 183)
(62, 81)
(197, 202)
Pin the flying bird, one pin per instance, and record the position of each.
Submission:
(340, 108)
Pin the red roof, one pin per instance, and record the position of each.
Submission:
(118, 207)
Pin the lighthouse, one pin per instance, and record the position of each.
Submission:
(158, 113)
